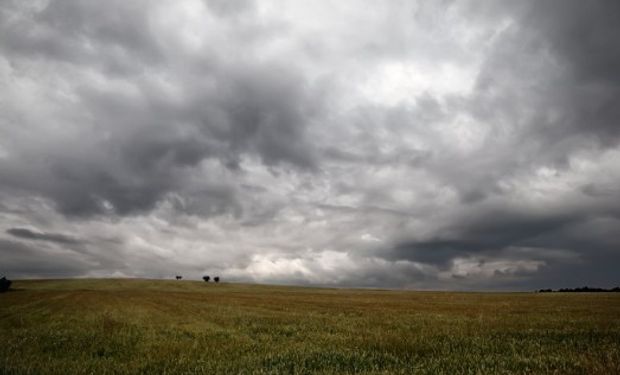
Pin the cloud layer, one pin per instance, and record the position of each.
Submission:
(434, 145)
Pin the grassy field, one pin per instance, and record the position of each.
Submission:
(146, 326)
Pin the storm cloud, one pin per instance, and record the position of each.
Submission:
(431, 145)
(34, 235)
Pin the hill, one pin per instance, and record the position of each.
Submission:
(149, 326)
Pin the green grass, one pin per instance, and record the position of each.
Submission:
(146, 326)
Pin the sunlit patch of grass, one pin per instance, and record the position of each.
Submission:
(142, 326)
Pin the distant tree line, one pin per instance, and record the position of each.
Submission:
(206, 278)
(584, 289)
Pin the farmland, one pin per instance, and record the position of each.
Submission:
(154, 326)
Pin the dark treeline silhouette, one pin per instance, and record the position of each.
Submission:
(206, 278)
(585, 289)
(5, 284)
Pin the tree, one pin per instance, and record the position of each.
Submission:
(5, 284)
(216, 279)
(206, 278)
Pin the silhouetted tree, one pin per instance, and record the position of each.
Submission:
(179, 277)
(216, 279)
(206, 278)
(5, 284)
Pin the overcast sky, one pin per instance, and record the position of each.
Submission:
(431, 145)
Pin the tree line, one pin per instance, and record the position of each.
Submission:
(584, 289)
(206, 278)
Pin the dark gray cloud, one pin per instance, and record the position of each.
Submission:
(136, 142)
(548, 237)
(589, 48)
(453, 145)
(23, 260)
(34, 235)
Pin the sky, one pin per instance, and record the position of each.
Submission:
(449, 145)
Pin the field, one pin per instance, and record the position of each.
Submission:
(146, 326)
